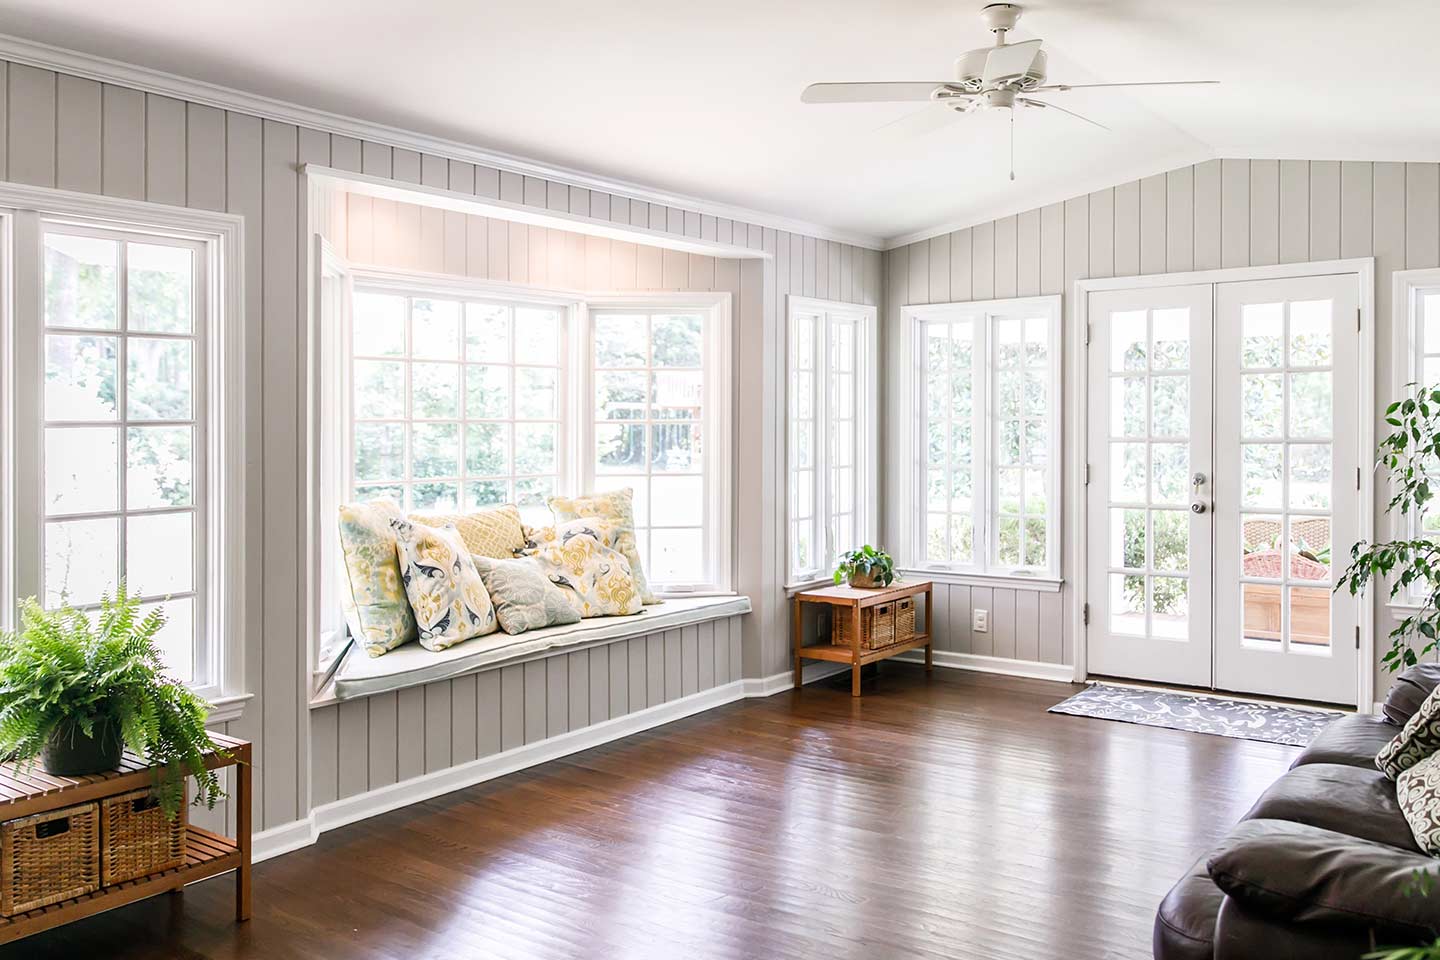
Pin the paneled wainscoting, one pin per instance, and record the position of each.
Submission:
(942, 816)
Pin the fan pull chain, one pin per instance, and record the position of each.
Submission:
(1012, 144)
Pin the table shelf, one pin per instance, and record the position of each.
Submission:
(847, 601)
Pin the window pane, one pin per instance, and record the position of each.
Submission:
(536, 393)
(80, 281)
(160, 553)
(486, 493)
(1008, 343)
(487, 449)
(1170, 403)
(676, 395)
(176, 638)
(1170, 333)
(82, 560)
(530, 495)
(679, 501)
(81, 377)
(487, 332)
(675, 448)
(379, 451)
(1127, 539)
(620, 340)
(936, 538)
(1171, 532)
(1170, 476)
(620, 447)
(82, 469)
(1127, 407)
(1008, 541)
(535, 448)
(1261, 483)
(537, 336)
(434, 391)
(1127, 604)
(675, 341)
(487, 392)
(1310, 395)
(676, 556)
(1128, 341)
(379, 389)
(1262, 331)
(1310, 476)
(160, 468)
(159, 288)
(1036, 554)
(436, 450)
(435, 496)
(1170, 607)
(378, 325)
(1262, 405)
(620, 396)
(158, 384)
(435, 329)
(1310, 333)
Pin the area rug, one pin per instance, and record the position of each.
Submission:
(1220, 716)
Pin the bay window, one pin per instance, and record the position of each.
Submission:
(985, 410)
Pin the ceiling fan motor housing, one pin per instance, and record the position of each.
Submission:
(970, 71)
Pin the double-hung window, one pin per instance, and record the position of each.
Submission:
(985, 404)
(830, 461)
(126, 407)
(1418, 296)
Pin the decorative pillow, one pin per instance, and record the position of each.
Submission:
(1418, 791)
(376, 608)
(617, 507)
(1418, 739)
(606, 531)
(595, 578)
(446, 593)
(524, 599)
(494, 533)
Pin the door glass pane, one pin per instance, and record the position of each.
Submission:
(1309, 618)
(1261, 484)
(1127, 604)
(1262, 405)
(1129, 340)
(1170, 334)
(1128, 472)
(1310, 333)
(1170, 539)
(1262, 334)
(1310, 404)
(1261, 614)
(1170, 468)
(1127, 407)
(1170, 607)
(1170, 406)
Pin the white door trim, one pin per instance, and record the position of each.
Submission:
(1076, 431)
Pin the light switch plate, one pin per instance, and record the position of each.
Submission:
(980, 621)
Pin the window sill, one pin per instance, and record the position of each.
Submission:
(412, 665)
(227, 709)
(1038, 584)
(793, 588)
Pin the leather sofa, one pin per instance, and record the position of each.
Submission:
(1323, 866)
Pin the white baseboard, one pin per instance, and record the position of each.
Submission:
(778, 682)
(1007, 666)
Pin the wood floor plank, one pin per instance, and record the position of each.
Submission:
(939, 817)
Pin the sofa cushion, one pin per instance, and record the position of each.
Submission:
(1409, 690)
(1417, 791)
(1352, 740)
(1331, 796)
(1244, 933)
(1419, 738)
(1185, 922)
(1306, 875)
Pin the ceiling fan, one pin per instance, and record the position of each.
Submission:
(1005, 76)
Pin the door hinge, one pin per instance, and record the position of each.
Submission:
(1085, 615)
(1087, 334)
(1357, 478)
(1087, 474)
(1357, 636)
(1357, 319)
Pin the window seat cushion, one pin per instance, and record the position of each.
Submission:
(412, 664)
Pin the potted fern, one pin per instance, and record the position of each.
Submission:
(74, 693)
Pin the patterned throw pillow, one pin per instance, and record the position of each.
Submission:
(1418, 739)
(494, 533)
(1418, 791)
(376, 608)
(616, 506)
(446, 593)
(524, 599)
(594, 577)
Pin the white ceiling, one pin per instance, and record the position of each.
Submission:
(703, 98)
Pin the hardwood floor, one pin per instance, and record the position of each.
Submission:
(943, 817)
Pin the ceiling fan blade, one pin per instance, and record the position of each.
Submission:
(869, 92)
(924, 121)
(1010, 62)
(1056, 87)
(1050, 106)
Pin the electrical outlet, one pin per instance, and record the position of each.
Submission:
(980, 621)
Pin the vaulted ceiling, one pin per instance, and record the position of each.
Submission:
(703, 98)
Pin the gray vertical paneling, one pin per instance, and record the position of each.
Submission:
(204, 157)
(512, 706)
(1294, 211)
(352, 750)
(122, 162)
(1127, 229)
(1264, 212)
(557, 695)
(654, 669)
(77, 134)
(165, 150)
(536, 717)
(1180, 219)
(1006, 252)
(638, 685)
(577, 694)
(674, 673)
(489, 713)
(1324, 209)
(32, 118)
(325, 754)
(1027, 625)
(689, 660)
(464, 709)
(1154, 237)
(982, 262)
(1422, 215)
(619, 679)
(409, 743)
(1102, 233)
(599, 697)
(1356, 208)
(1234, 213)
(1208, 215)
(438, 725)
(961, 274)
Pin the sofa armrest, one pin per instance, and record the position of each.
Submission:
(1307, 875)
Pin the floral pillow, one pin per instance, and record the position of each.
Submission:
(617, 507)
(446, 593)
(594, 576)
(524, 597)
(376, 608)
(494, 533)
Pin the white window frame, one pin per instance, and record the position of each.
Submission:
(220, 413)
(865, 320)
(1409, 352)
(912, 392)
(718, 466)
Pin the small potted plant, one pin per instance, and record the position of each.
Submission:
(74, 693)
(866, 568)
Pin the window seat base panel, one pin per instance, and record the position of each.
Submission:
(412, 664)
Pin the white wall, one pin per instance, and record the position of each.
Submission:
(1221, 213)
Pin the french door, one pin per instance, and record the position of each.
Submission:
(1222, 488)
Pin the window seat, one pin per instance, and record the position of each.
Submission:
(412, 664)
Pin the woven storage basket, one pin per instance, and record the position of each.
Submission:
(137, 839)
(877, 626)
(904, 619)
(49, 857)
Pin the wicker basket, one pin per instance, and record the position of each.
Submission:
(49, 857)
(137, 839)
(877, 626)
(904, 619)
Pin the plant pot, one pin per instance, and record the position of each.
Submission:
(864, 581)
(69, 753)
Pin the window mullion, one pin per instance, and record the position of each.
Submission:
(820, 406)
(26, 558)
(983, 423)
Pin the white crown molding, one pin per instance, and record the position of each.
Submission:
(73, 62)
(1010, 206)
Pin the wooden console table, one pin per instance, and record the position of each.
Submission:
(29, 790)
(849, 601)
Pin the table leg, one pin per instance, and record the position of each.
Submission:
(929, 631)
(795, 637)
(855, 651)
(242, 834)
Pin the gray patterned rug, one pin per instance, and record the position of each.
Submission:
(1270, 722)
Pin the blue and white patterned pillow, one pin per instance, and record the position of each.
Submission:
(445, 591)
(1418, 739)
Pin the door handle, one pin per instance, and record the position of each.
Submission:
(1198, 506)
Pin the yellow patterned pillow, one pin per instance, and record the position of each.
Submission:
(615, 506)
(447, 596)
(495, 533)
(606, 531)
(595, 579)
(376, 608)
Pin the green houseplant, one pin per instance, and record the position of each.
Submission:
(866, 567)
(1411, 457)
(74, 693)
